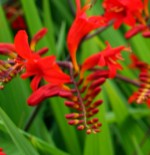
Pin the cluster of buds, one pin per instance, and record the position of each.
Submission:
(143, 93)
(9, 67)
(84, 104)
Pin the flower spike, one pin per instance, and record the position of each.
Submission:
(143, 93)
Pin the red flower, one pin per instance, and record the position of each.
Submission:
(36, 66)
(142, 24)
(107, 57)
(123, 11)
(81, 26)
(1, 152)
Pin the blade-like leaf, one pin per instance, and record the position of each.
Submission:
(22, 144)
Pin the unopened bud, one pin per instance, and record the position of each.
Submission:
(73, 115)
(88, 131)
(39, 35)
(94, 120)
(92, 112)
(146, 34)
(134, 31)
(97, 83)
(72, 104)
(81, 127)
(75, 122)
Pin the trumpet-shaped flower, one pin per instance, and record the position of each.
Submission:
(36, 66)
(107, 57)
(123, 11)
(81, 26)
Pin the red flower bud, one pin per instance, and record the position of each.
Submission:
(75, 122)
(81, 127)
(74, 115)
(97, 83)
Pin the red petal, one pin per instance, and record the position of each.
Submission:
(78, 4)
(56, 77)
(112, 70)
(90, 62)
(35, 82)
(21, 45)
(102, 61)
(129, 19)
(47, 63)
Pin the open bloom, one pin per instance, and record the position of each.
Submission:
(107, 57)
(123, 11)
(36, 66)
(81, 26)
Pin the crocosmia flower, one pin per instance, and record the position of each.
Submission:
(81, 26)
(36, 66)
(107, 57)
(123, 11)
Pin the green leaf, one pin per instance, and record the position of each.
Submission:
(22, 144)
(61, 40)
(137, 147)
(33, 21)
(48, 23)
